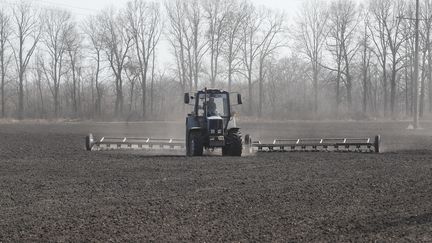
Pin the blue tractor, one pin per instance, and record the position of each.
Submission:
(212, 124)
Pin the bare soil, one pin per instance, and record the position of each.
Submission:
(51, 189)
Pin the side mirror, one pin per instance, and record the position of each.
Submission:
(186, 98)
(239, 99)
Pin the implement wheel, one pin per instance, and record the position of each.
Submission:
(233, 145)
(89, 142)
(377, 143)
(248, 143)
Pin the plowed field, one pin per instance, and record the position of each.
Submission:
(51, 189)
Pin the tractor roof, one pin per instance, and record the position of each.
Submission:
(213, 91)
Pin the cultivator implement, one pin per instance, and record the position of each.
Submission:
(115, 143)
(365, 145)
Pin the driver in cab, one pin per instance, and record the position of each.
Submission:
(211, 107)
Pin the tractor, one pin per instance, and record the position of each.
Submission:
(212, 124)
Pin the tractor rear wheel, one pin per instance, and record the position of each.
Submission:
(234, 145)
(196, 146)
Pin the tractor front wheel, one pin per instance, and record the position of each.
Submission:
(234, 145)
(195, 144)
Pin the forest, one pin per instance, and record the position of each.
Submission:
(338, 59)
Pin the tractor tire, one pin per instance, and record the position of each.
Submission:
(234, 144)
(89, 142)
(196, 146)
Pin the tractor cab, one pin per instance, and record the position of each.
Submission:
(211, 124)
(213, 104)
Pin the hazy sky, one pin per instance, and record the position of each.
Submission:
(86, 7)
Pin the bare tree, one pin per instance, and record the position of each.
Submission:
(335, 45)
(199, 45)
(408, 62)
(73, 44)
(395, 40)
(132, 74)
(4, 62)
(428, 47)
(366, 62)
(117, 43)
(380, 12)
(340, 56)
(270, 42)
(92, 29)
(343, 21)
(289, 91)
(233, 38)
(27, 31)
(39, 77)
(186, 38)
(311, 38)
(250, 47)
(426, 75)
(145, 28)
(152, 81)
(216, 15)
(57, 27)
(178, 41)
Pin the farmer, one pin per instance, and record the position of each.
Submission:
(211, 107)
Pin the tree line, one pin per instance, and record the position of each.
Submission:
(334, 59)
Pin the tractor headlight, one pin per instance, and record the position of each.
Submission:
(220, 131)
(212, 131)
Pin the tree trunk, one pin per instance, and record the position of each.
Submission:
(118, 97)
(131, 97)
(3, 100)
(315, 87)
(348, 81)
(196, 57)
(429, 74)
(98, 89)
(338, 79)
(407, 107)
(230, 68)
(423, 85)
(365, 88)
(3, 81)
(21, 96)
(121, 97)
(152, 85)
(74, 87)
(56, 103)
(393, 89)
(144, 89)
(250, 92)
(42, 112)
(229, 76)
(261, 88)
(385, 87)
